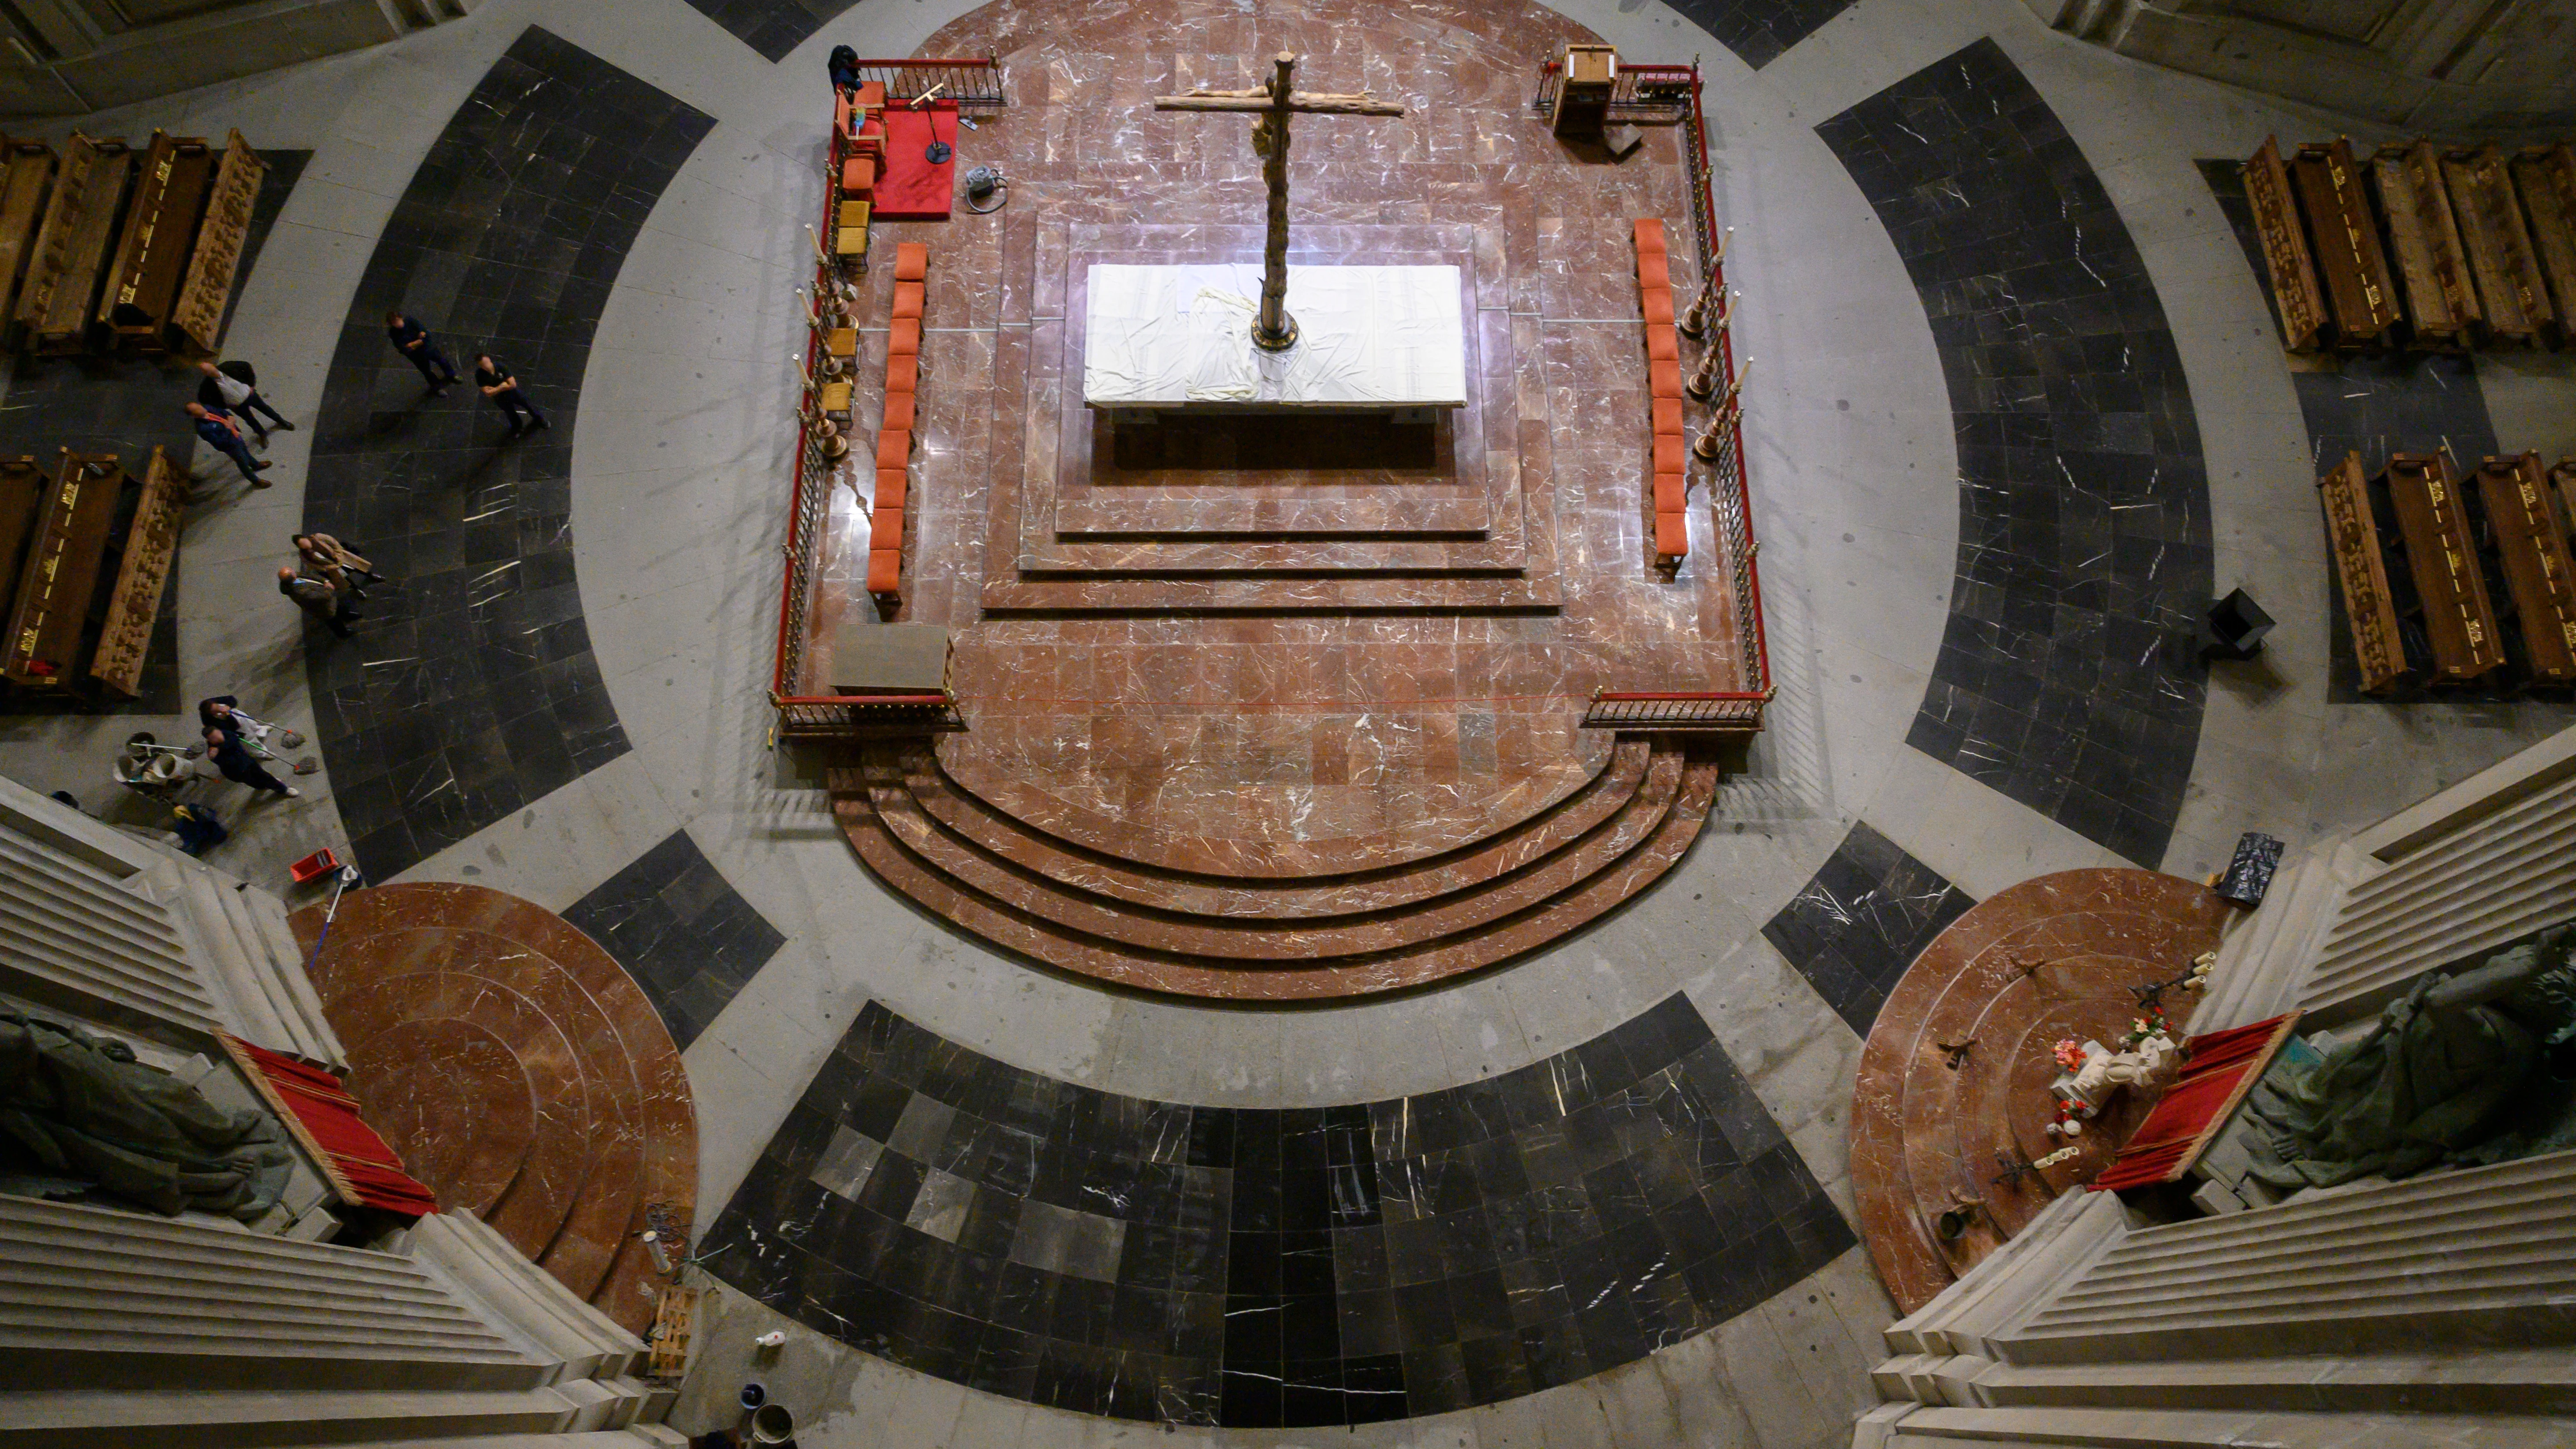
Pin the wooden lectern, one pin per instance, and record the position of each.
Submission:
(1591, 73)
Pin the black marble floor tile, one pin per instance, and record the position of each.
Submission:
(682, 932)
(1759, 30)
(2068, 675)
(774, 27)
(128, 406)
(1854, 928)
(470, 690)
(1200, 1265)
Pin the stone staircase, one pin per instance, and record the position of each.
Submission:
(1520, 885)
(122, 1329)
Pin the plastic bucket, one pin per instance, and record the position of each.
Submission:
(772, 1424)
(753, 1396)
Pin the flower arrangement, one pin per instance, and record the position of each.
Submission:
(2069, 1053)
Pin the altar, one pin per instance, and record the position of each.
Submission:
(1178, 338)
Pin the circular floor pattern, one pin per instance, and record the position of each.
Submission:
(2051, 958)
(520, 1073)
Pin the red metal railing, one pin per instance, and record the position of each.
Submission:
(1726, 711)
(972, 84)
(809, 502)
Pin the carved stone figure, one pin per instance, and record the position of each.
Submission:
(78, 1110)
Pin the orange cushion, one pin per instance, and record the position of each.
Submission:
(1668, 416)
(903, 338)
(1671, 492)
(907, 299)
(1664, 379)
(892, 486)
(872, 94)
(1650, 234)
(1659, 306)
(894, 450)
(903, 373)
(885, 571)
(885, 531)
(1662, 345)
(1672, 534)
(1672, 455)
(1652, 272)
(911, 261)
(898, 413)
(858, 176)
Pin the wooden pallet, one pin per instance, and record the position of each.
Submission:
(674, 1324)
(151, 547)
(197, 316)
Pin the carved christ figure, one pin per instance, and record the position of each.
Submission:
(1274, 103)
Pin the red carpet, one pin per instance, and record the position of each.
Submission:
(912, 189)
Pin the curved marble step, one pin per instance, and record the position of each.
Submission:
(1249, 858)
(1073, 867)
(1052, 942)
(1371, 933)
(521, 1072)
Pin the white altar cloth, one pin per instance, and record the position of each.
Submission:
(1179, 337)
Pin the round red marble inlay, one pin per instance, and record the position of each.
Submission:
(453, 1100)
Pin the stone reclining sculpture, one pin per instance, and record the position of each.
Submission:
(2463, 1070)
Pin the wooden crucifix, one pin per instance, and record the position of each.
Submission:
(1275, 330)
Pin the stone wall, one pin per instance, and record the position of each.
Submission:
(70, 57)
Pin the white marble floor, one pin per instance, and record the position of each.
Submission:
(680, 462)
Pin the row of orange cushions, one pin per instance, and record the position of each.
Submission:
(1664, 385)
(894, 429)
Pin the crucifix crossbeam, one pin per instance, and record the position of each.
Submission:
(1274, 330)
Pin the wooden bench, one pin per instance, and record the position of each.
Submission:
(894, 425)
(2432, 267)
(2344, 238)
(2545, 178)
(2359, 542)
(1669, 480)
(2458, 618)
(2518, 530)
(63, 563)
(2501, 261)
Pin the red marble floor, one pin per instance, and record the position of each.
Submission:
(1346, 663)
(520, 1073)
(2048, 959)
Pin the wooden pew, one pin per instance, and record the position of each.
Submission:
(2544, 177)
(2519, 531)
(61, 575)
(26, 180)
(2441, 559)
(23, 489)
(151, 546)
(2344, 240)
(2432, 265)
(197, 314)
(2286, 255)
(2360, 556)
(70, 253)
(151, 259)
(2500, 254)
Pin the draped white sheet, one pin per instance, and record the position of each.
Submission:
(1180, 335)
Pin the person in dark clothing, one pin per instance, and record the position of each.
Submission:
(421, 350)
(224, 747)
(234, 388)
(220, 430)
(503, 389)
(319, 599)
(845, 68)
(199, 828)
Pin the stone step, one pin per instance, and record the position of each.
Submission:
(113, 1420)
(1230, 897)
(1035, 936)
(2420, 1383)
(1200, 936)
(1939, 1428)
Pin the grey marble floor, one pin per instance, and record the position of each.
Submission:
(677, 464)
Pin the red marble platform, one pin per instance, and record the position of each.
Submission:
(2048, 959)
(1267, 678)
(520, 1073)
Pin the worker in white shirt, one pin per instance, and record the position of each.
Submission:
(234, 387)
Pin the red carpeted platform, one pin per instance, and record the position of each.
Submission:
(913, 189)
